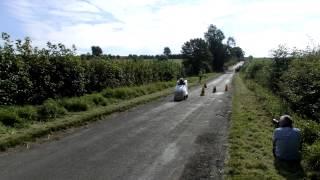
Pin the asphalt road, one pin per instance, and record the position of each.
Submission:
(158, 140)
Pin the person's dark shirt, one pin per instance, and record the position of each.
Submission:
(287, 143)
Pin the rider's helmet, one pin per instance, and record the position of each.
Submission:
(181, 81)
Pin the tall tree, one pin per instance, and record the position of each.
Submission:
(96, 51)
(237, 52)
(167, 51)
(231, 42)
(214, 38)
(196, 56)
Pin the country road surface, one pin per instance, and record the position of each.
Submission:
(158, 140)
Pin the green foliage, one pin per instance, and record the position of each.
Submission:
(96, 51)
(259, 70)
(11, 136)
(9, 118)
(281, 61)
(310, 132)
(135, 91)
(250, 138)
(297, 90)
(50, 109)
(231, 42)
(75, 104)
(101, 74)
(96, 99)
(28, 113)
(196, 56)
(313, 156)
(220, 52)
(67, 76)
(125, 93)
(146, 71)
(300, 86)
(237, 52)
(167, 52)
(210, 54)
(15, 83)
(30, 75)
(14, 115)
(297, 80)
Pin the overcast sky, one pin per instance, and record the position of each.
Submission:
(146, 26)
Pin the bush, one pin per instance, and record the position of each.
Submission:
(67, 74)
(310, 132)
(259, 71)
(102, 74)
(141, 90)
(107, 93)
(125, 93)
(75, 104)
(97, 99)
(300, 86)
(313, 156)
(50, 109)
(297, 81)
(28, 113)
(9, 118)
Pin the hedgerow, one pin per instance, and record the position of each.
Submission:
(30, 75)
(296, 80)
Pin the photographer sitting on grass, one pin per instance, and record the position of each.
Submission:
(286, 140)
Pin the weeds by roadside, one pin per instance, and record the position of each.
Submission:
(250, 139)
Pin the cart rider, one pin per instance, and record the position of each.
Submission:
(181, 82)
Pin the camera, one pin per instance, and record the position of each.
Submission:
(275, 122)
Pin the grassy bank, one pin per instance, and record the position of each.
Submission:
(250, 139)
(21, 124)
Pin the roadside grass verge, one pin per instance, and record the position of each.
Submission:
(250, 138)
(19, 124)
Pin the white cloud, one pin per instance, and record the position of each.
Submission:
(146, 26)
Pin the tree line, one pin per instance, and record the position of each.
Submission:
(96, 51)
(209, 54)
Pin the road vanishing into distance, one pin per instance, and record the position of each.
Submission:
(162, 139)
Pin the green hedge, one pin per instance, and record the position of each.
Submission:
(298, 86)
(31, 75)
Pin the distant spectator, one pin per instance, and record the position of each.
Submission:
(200, 76)
(286, 140)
